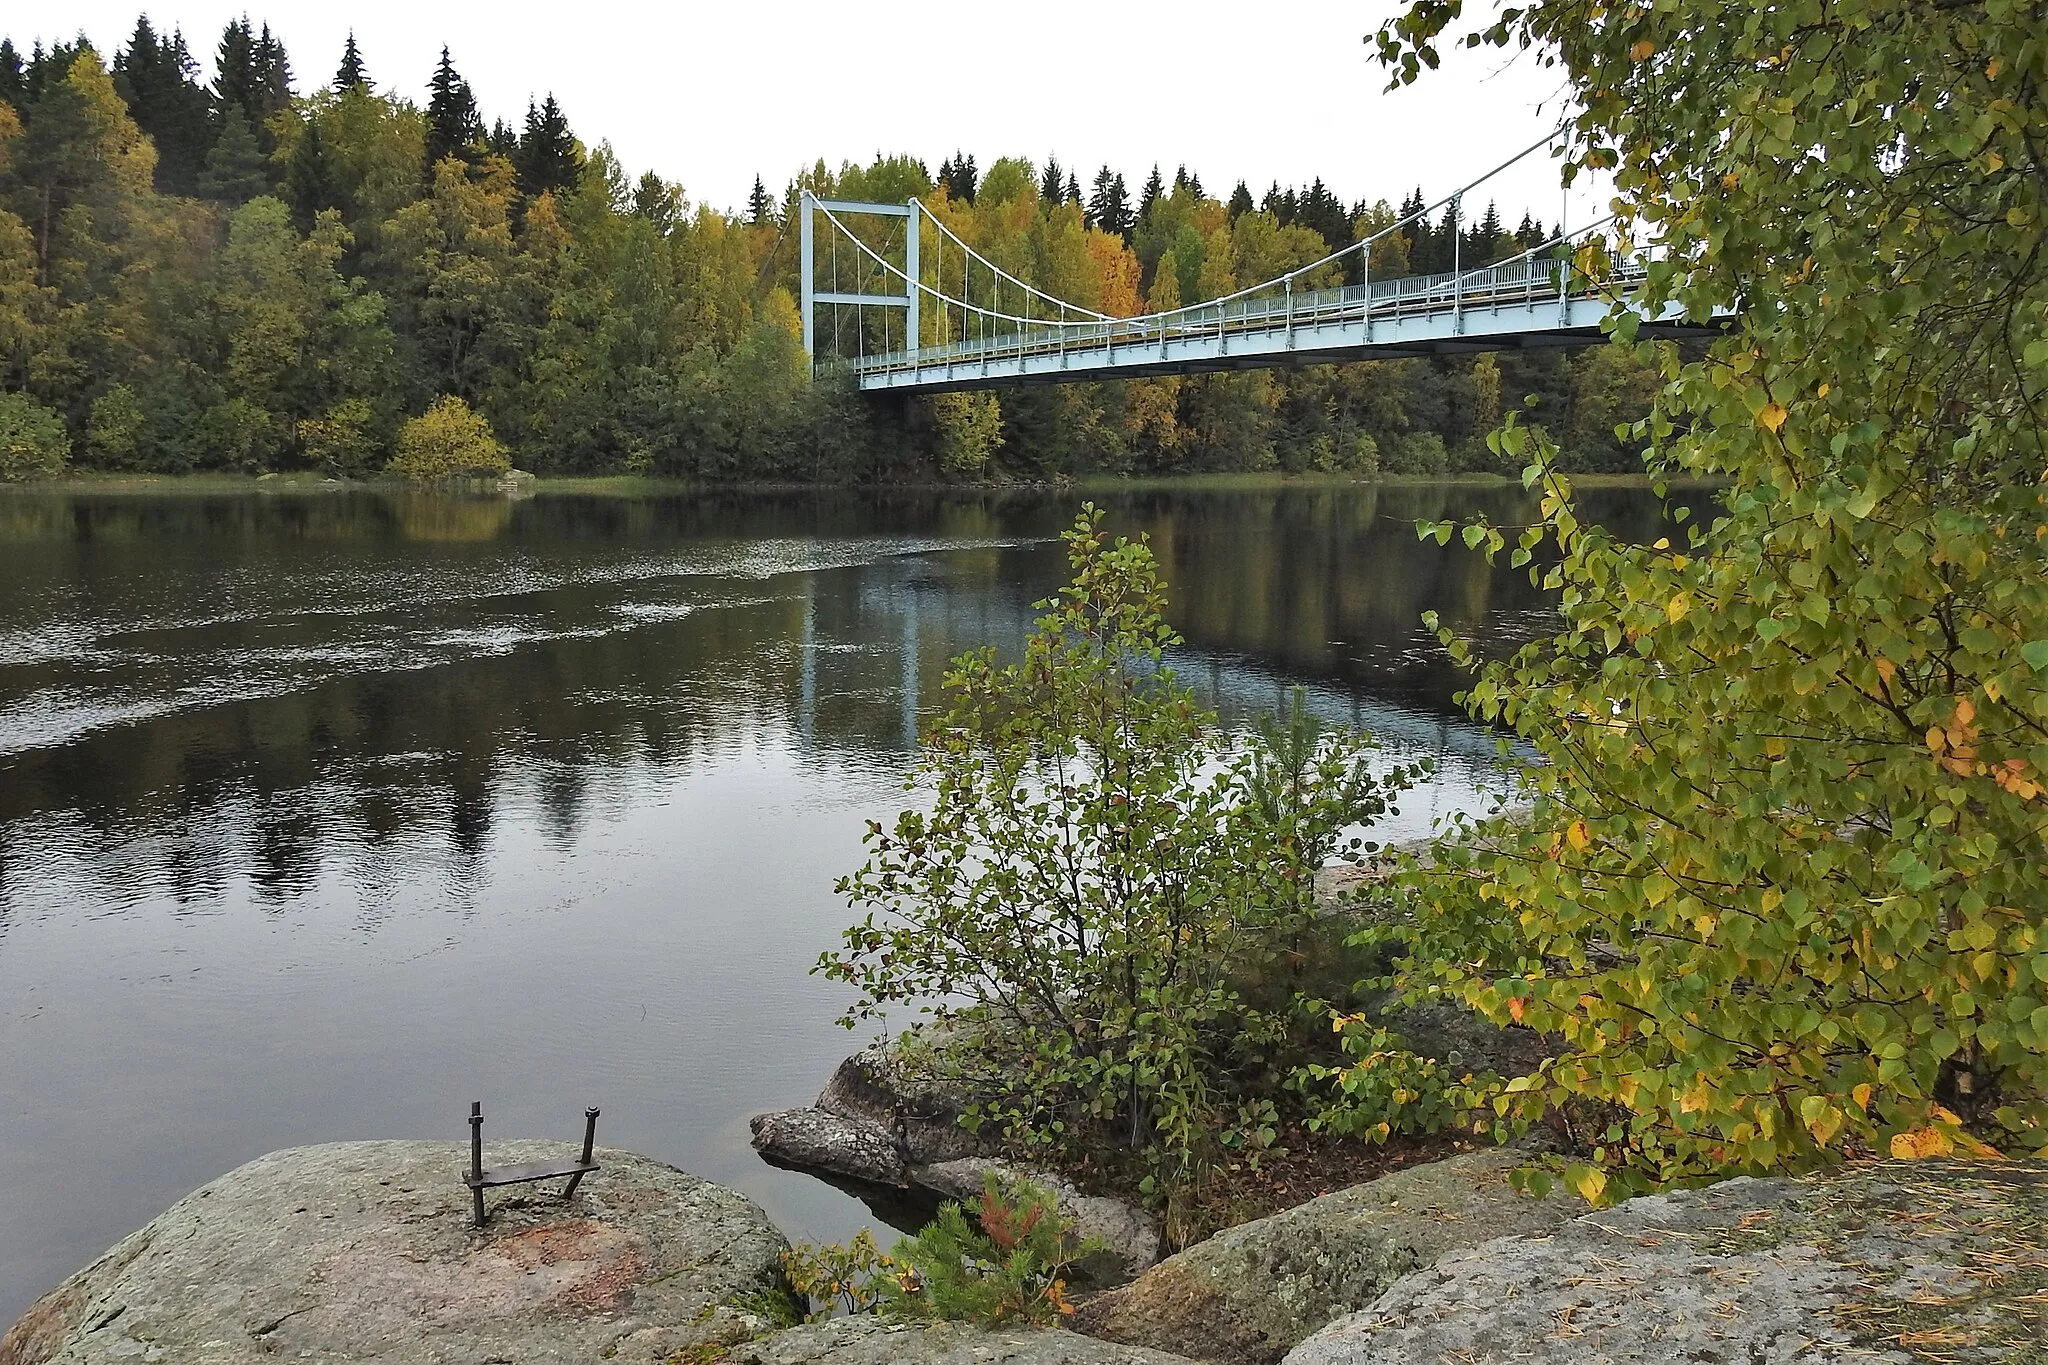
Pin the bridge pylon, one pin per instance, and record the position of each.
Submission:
(813, 297)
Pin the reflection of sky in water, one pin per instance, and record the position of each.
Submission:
(319, 819)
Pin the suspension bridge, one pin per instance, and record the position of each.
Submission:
(948, 318)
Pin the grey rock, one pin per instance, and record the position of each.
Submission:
(1253, 1291)
(871, 1341)
(1825, 1270)
(1128, 1234)
(815, 1140)
(364, 1251)
(887, 1108)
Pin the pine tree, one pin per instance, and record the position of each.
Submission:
(351, 75)
(453, 126)
(548, 160)
(659, 202)
(760, 207)
(156, 77)
(1240, 201)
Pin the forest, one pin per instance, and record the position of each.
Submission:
(247, 276)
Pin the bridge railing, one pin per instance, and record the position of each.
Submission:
(1545, 275)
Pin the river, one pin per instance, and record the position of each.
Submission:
(323, 814)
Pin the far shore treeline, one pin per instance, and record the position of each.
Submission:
(259, 274)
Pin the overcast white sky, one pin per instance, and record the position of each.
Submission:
(710, 93)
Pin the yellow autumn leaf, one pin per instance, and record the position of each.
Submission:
(1677, 607)
(1936, 740)
(1921, 1143)
(1578, 834)
(1641, 51)
(1861, 1094)
(1824, 390)
(1772, 416)
(1590, 1184)
(1965, 713)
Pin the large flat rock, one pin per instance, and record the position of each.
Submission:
(1883, 1264)
(364, 1251)
(1251, 1292)
(871, 1341)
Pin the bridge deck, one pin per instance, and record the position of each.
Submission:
(1520, 304)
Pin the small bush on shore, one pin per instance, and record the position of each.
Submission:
(1003, 1258)
(447, 441)
(1118, 895)
(33, 442)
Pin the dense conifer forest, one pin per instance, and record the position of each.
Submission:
(268, 272)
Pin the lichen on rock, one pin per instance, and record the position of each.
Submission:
(1250, 1292)
(364, 1250)
(1886, 1262)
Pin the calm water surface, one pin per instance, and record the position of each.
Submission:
(322, 815)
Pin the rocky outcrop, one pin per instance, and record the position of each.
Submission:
(887, 1117)
(885, 1110)
(873, 1341)
(1251, 1292)
(364, 1251)
(1889, 1262)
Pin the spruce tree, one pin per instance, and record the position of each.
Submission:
(1109, 204)
(273, 75)
(1148, 198)
(453, 126)
(760, 208)
(548, 160)
(236, 170)
(237, 87)
(503, 140)
(1053, 182)
(156, 77)
(312, 179)
(351, 75)
(959, 176)
(13, 81)
(1073, 195)
(1240, 201)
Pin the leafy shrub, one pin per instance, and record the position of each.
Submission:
(33, 442)
(342, 441)
(969, 431)
(113, 433)
(835, 1279)
(1116, 891)
(1005, 1258)
(1387, 1089)
(1783, 892)
(1419, 452)
(448, 440)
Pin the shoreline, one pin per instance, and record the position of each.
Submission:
(634, 485)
